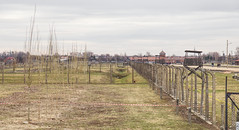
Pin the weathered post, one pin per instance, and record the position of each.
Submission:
(2, 73)
(202, 94)
(161, 82)
(68, 71)
(14, 66)
(176, 84)
(111, 80)
(161, 92)
(189, 115)
(191, 97)
(89, 71)
(195, 94)
(237, 123)
(226, 106)
(127, 68)
(133, 75)
(206, 99)
(222, 116)
(46, 70)
(213, 100)
(170, 81)
(152, 77)
(187, 92)
(167, 79)
(24, 73)
(182, 87)
(100, 66)
(156, 79)
(177, 107)
(233, 117)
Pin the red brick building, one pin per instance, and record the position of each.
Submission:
(161, 56)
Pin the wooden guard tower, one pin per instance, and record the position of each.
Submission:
(193, 60)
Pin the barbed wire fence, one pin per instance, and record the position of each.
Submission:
(197, 93)
(230, 114)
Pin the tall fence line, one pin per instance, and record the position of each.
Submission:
(195, 88)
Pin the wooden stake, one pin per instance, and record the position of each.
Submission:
(222, 117)
(189, 115)
(202, 94)
(191, 97)
(68, 71)
(24, 73)
(237, 123)
(206, 100)
(177, 103)
(2, 73)
(195, 94)
(111, 79)
(233, 117)
(133, 75)
(187, 90)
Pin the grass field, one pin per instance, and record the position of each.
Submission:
(82, 106)
(90, 106)
(233, 86)
(57, 96)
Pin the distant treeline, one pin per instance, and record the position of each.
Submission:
(21, 57)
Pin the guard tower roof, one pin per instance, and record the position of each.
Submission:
(193, 51)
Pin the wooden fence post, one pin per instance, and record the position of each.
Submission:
(191, 97)
(213, 100)
(46, 71)
(89, 73)
(170, 81)
(24, 73)
(237, 123)
(233, 117)
(68, 71)
(206, 100)
(175, 83)
(2, 73)
(132, 75)
(195, 94)
(202, 94)
(177, 107)
(100, 66)
(156, 79)
(189, 115)
(172, 85)
(161, 92)
(182, 87)
(167, 79)
(222, 117)
(187, 89)
(111, 80)
(161, 82)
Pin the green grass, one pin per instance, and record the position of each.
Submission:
(87, 116)
(122, 117)
(96, 75)
(69, 106)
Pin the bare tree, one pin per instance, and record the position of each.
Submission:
(148, 54)
(237, 52)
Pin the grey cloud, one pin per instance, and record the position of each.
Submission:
(132, 26)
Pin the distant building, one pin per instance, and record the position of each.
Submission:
(9, 60)
(161, 58)
(236, 62)
(162, 55)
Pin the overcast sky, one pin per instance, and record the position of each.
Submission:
(124, 26)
